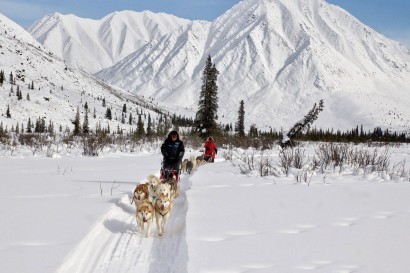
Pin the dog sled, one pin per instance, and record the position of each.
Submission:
(168, 172)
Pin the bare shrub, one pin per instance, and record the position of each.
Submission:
(227, 153)
(337, 155)
(93, 144)
(292, 157)
(260, 162)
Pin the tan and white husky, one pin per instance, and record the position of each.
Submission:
(145, 215)
(163, 207)
(140, 194)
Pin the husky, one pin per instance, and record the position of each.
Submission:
(184, 165)
(200, 160)
(163, 188)
(172, 182)
(163, 207)
(189, 167)
(153, 182)
(145, 214)
(140, 194)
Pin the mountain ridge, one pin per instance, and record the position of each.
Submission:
(96, 44)
(278, 54)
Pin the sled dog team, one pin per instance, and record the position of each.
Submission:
(191, 164)
(154, 198)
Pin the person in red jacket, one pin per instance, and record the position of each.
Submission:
(210, 150)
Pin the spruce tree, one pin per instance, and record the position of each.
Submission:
(28, 130)
(149, 126)
(1, 77)
(130, 119)
(86, 127)
(77, 126)
(8, 114)
(302, 125)
(124, 108)
(50, 129)
(140, 127)
(108, 114)
(240, 125)
(205, 119)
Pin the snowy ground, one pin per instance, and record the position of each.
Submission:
(67, 215)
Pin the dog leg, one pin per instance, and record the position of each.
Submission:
(159, 225)
(149, 224)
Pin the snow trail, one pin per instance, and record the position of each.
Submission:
(115, 245)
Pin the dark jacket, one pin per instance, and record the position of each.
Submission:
(173, 151)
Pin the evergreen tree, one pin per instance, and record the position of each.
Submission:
(205, 119)
(130, 119)
(28, 97)
(19, 94)
(1, 77)
(103, 102)
(40, 125)
(50, 129)
(304, 124)
(86, 106)
(240, 125)
(108, 114)
(95, 113)
(253, 131)
(123, 118)
(140, 127)
(124, 108)
(77, 125)
(149, 126)
(86, 127)
(8, 114)
(11, 79)
(28, 130)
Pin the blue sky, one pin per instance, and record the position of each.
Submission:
(389, 17)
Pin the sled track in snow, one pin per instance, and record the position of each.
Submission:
(114, 245)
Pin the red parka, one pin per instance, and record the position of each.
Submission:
(210, 148)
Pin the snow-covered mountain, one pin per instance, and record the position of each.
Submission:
(280, 57)
(96, 44)
(58, 88)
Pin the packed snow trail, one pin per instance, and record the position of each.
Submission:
(114, 245)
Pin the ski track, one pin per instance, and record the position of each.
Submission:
(114, 245)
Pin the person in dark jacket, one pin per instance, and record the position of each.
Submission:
(210, 150)
(173, 151)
